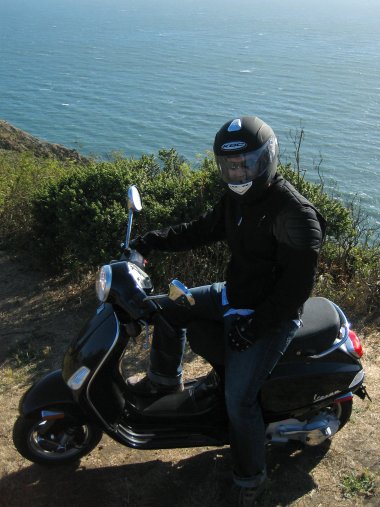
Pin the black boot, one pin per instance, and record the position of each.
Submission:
(147, 387)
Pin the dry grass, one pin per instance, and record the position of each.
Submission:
(38, 318)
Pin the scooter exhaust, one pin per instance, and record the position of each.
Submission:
(313, 433)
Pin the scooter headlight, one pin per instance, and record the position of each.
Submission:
(103, 282)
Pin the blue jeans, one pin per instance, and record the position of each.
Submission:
(245, 372)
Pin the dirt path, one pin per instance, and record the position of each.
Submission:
(38, 316)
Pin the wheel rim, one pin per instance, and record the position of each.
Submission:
(56, 441)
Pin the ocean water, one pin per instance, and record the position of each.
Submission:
(135, 76)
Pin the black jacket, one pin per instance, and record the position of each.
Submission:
(274, 244)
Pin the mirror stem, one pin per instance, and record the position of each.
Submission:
(129, 228)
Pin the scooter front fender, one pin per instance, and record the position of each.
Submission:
(49, 391)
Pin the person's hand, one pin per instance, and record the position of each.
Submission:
(240, 336)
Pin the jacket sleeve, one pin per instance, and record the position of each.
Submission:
(206, 229)
(299, 238)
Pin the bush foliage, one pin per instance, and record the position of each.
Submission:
(73, 217)
(82, 217)
(22, 176)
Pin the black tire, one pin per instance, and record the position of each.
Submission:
(53, 443)
(343, 412)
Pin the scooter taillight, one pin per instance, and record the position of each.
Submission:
(353, 344)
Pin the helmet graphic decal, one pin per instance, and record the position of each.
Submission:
(235, 125)
(234, 145)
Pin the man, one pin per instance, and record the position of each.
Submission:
(274, 236)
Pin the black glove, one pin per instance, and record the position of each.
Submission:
(140, 245)
(240, 336)
(134, 243)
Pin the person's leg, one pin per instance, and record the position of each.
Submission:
(245, 374)
(205, 338)
(165, 367)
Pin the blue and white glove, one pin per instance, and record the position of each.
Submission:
(240, 336)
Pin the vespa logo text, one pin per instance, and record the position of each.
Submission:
(236, 145)
(323, 397)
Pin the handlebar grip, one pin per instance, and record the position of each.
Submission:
(165, 326)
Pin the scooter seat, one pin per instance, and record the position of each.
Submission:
(320, 327)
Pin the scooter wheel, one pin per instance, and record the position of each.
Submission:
(56, 442)
(343, 412)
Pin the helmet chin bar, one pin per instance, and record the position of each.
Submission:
(240, 189)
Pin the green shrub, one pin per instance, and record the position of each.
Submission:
(22, 175)
(82, 217)
(339, 218)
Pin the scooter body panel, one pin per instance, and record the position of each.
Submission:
(294, 386)
(92, 344)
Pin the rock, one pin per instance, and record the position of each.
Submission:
(14, 139)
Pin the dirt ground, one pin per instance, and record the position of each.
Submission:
(38, 316)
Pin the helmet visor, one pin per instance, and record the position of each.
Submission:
(238, 169)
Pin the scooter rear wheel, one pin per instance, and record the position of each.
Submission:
(342, 412)
(57, 442)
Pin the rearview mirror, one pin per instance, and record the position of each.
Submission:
(134, 199)
(134, 204)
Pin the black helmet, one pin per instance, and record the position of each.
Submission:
(246, 153)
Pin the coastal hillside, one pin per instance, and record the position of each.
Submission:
(15, 139)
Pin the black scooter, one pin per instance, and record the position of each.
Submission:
(308, 397)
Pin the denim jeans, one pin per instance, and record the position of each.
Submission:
(245, 372)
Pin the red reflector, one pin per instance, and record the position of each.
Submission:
(355, 342)
(344, 398)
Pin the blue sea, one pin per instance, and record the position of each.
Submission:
(135, 76)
